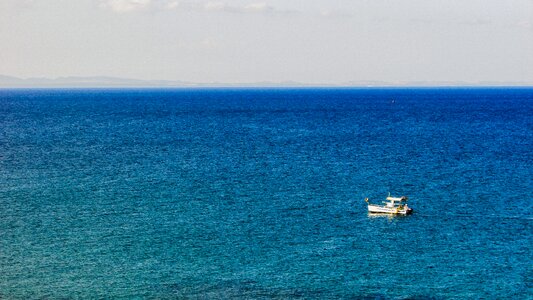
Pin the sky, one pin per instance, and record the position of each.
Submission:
(238, 41)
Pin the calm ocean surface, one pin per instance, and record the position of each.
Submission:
(221, 193)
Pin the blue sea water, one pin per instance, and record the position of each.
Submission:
(259, 193)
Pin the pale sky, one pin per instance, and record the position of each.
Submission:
(239, 41)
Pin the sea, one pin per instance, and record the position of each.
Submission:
(251, 193)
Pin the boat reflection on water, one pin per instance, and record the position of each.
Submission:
(390, 217)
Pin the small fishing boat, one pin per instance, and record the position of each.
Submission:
(392, 205)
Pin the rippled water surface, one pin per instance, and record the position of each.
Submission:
(260, 193)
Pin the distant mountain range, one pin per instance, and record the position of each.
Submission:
(114, 82)
(95, 81)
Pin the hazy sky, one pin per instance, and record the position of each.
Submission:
(233, 41)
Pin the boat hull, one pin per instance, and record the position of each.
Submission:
(389, 210)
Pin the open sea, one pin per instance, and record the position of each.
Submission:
(259, 193)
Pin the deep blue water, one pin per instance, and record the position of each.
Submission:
(260, 193)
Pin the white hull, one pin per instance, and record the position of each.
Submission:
(388, 210)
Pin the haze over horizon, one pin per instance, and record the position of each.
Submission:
(242, 42)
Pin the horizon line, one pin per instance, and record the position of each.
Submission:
(81, 82)
(273, 87)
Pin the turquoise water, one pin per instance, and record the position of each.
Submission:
(247, 193)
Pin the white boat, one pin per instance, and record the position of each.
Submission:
(392, 205)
